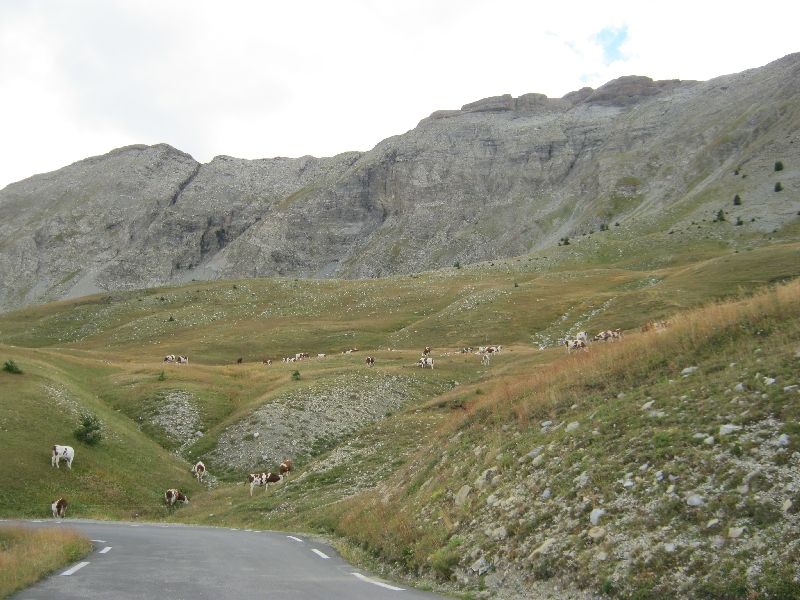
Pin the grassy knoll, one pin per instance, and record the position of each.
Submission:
(383, 453)
(28, 555)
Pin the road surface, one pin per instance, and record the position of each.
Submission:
(137, 561)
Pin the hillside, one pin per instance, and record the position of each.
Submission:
(499, 177)
(385, 455)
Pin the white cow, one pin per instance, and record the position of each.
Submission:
(425, 361)
(199, 471)
(59, 453)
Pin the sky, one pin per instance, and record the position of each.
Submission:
(258, 79)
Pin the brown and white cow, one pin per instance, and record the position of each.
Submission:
(171, 496)
(426, 351)
(183, 360)
(259, 479)
(370, 361)
(199, 471)
(59, 453)
(59, 508)
(285, 466)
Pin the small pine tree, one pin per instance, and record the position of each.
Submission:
(736, 172)
(162, 376)
(778, 166)
(89, 431)
(739, 221)
(296, 376)
(457, 265)
(778, 186)
(171, 318)
(737, 200)
(720, 216)
(11, 367)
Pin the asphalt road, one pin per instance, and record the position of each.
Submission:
(181, 562)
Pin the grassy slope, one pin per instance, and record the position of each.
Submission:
(103, 354)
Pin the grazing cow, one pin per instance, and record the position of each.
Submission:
(169, 358)
(370, 361)
(486, 359)
(321, 355)
(582, 336)
(425, 361)
(575, 345)
(268, 362)
(59, 453)
(199, 471)
(183, 360)
(426, 351)
(59, 508)
(239, 360)
(171, 496)
(603, 336)
(285, 466)
(259, 479)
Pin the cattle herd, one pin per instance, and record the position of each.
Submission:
(172, 496)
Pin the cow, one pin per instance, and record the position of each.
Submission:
(199, 471)
(183, 360)
(321, 355)
(486, 359)
(171, 496)
(59, 453)
(239, 360)
(170, 358)
(59, 508)
(370, 361)
(268, 362)
(575, 345)
(425, 361)
(259, 479)
(426, 351)
(582, 336)
(285, 466)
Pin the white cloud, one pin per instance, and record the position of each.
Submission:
(259, 79)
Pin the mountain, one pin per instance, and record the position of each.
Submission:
(500, 177)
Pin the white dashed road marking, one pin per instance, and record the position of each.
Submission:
(319, 553)
(77, 567)
(296, 539)
(378, 583)
(104, 550)
(98, 541)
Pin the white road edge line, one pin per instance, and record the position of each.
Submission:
(319, 553)
(378, 583)
(296, 539)
(77, 567)
(98, 541)
(104, 550)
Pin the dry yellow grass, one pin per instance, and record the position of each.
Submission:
(27, 555)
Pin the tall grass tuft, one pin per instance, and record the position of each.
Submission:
(28, 555)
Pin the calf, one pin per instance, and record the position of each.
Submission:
(285, 466)
(59, 453)
(426, 351)
(169, 358)
(199, 471)
(171, 496)
(370, 361)
(183, 360)
(259, 479)
(59, 508)
(425, 361)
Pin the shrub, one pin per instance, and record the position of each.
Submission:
(778, 186)
(171, 318)
(778, 165)
(737, 200)
(720, 216)
(739, 221)
(296, 376)
(457, 265)
(11, 367)
(89, 430)
(162, 376)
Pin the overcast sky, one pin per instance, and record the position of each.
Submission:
(261, 79)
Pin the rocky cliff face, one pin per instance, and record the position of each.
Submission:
(500, 177)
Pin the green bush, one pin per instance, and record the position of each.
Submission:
(89, 431)
(737, 200)
(778, 166)
(11, 367)
(778, 186)
(296, 376)
(739, 221)
(720, 216)
(457, 265)
(162, 376)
